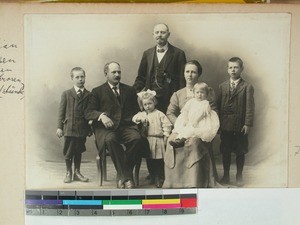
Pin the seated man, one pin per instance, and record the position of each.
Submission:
(112, 105)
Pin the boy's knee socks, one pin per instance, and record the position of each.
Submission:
(240, 161)
(226, 163)
(77, 161)
(69, 164)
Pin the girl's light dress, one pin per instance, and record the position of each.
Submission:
(159, 126)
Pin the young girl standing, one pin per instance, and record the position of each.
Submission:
(158, 130)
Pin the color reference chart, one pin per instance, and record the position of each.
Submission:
(134, 202)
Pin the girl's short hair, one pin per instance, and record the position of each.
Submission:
(202, 86)
(209, 91)
(145, 95)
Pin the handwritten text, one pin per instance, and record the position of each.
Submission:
(4, 45)
(10, 83)
(5, 60)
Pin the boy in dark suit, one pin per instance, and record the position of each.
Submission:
(72, 125)
(236, 112)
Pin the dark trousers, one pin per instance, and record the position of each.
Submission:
(124, 159)
(235, 142)
(73, 147)
(240, 161)
(156, 168)
(163, 103)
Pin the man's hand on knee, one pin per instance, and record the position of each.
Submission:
(107, 122)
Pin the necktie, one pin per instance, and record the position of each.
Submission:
(79, 93)
(160, 50)
(232, 87)
(116, 93)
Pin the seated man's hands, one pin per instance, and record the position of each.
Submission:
(107, 122)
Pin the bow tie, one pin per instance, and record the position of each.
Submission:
(160, 50)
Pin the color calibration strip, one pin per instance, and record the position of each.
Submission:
(133, 202)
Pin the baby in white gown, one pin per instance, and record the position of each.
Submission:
(197, 119)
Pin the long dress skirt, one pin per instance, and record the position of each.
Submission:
(197, 176)
(189, 166)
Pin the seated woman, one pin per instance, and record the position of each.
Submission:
(189, 166)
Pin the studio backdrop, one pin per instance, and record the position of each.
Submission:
(54, 44)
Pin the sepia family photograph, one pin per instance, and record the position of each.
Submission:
(156, 100)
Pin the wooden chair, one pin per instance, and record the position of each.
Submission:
(102, 163)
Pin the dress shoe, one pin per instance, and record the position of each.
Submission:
(178, 142)
(239, 181)
(79, 177)
(225, 180)
(150, 179)
(120, 184)
(68, 178)
(158, 182)
(129, 184)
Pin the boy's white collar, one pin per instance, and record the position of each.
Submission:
(77, 88)
(235, 81)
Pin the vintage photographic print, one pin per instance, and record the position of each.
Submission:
(231, 135)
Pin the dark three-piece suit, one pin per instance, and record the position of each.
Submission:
(165, 77)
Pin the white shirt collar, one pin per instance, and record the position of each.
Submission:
(77, 89)
(111, 86)
(235, 81)
(164, 48)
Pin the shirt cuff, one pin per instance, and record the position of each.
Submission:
(101, 115)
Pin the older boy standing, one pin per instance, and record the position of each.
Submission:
(72, 125)
(236, 112)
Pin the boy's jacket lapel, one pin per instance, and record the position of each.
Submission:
(241, 85)
(73, 93)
